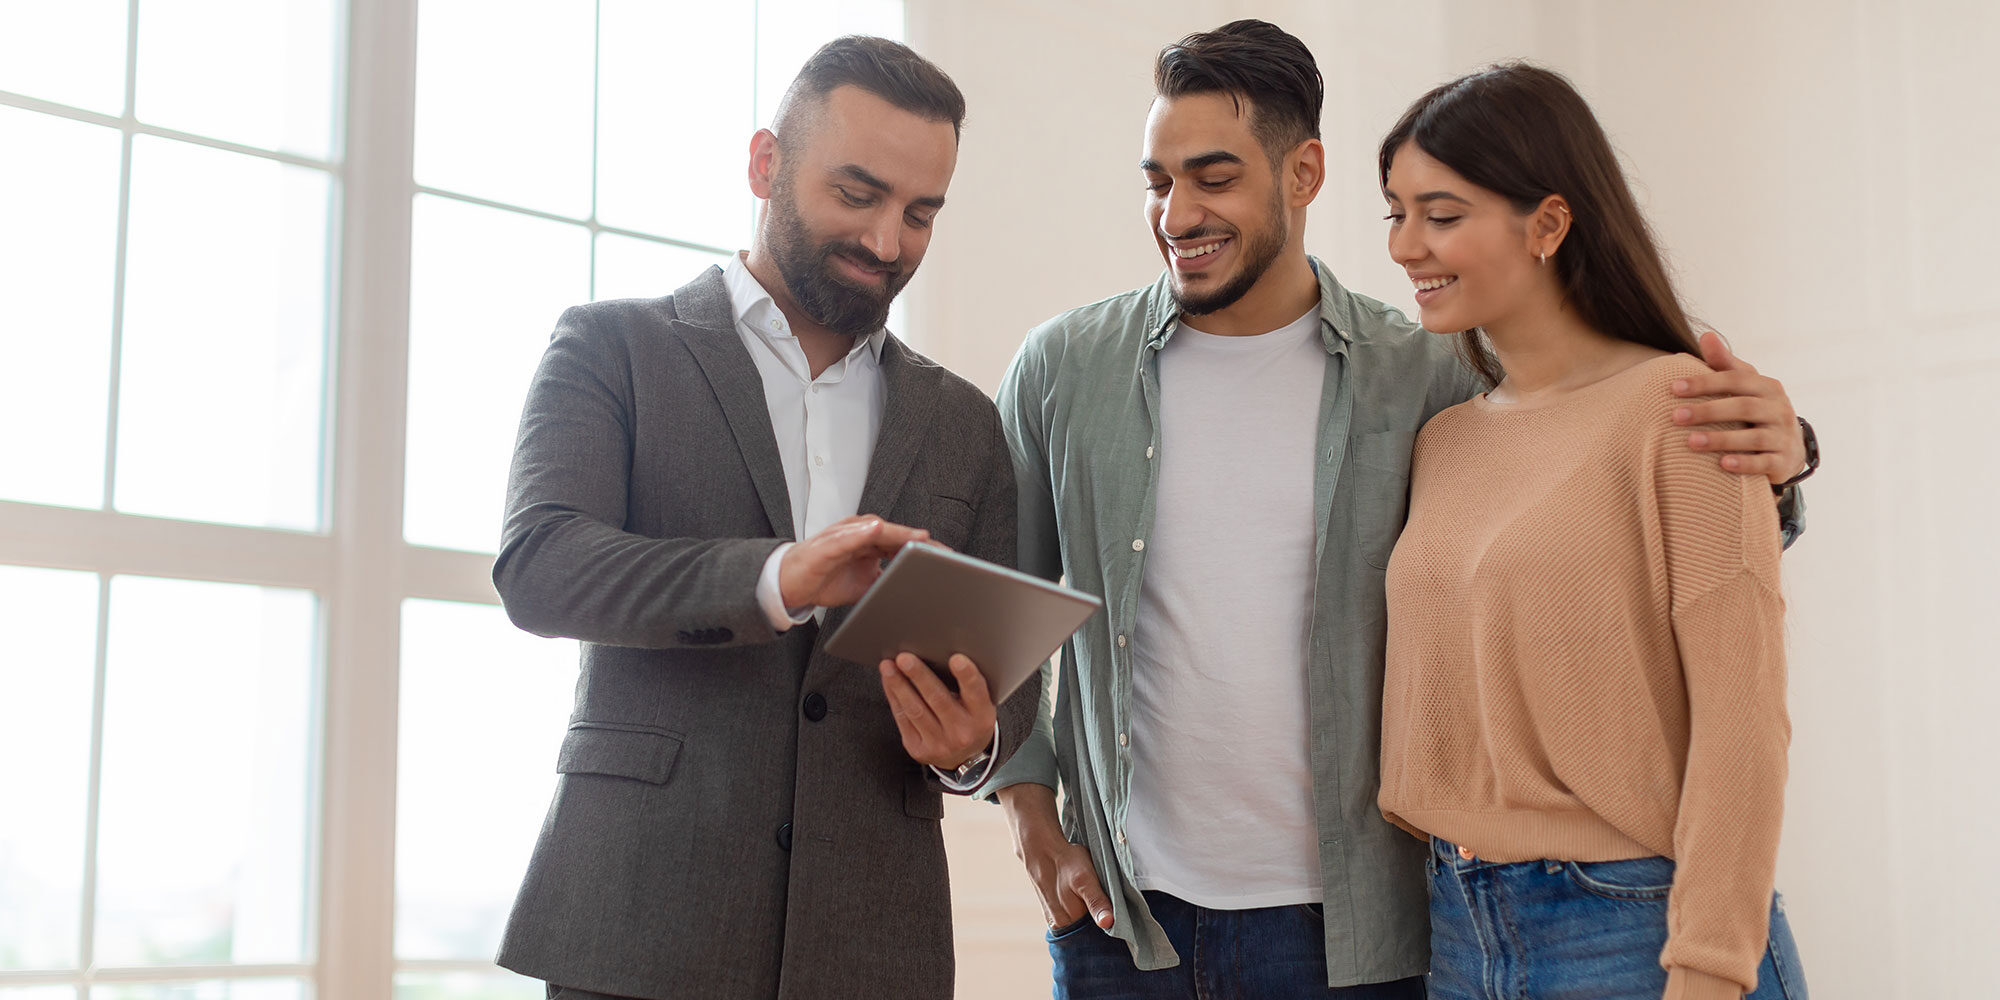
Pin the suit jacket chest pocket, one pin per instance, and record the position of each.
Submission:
(1376, 485)
(949, 520)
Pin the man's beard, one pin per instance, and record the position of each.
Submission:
(1258, 256)
(830, 300)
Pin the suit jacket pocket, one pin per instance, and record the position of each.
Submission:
(950, 521)
(920, 798)
(622, 751)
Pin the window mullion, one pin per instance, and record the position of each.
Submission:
(356, 955)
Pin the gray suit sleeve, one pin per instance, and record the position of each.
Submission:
(566, 567)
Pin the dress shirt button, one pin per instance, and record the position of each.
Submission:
(1123, 740)
(776, 325)
(785, 836)
(1149, 451)
(815, 707)
(819, 459)
(1138, 545)
(1121, 641)
(814, 388)
(1121, 836)
(1465, 852)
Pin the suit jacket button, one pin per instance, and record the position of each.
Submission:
(815, 706)
(785, 836)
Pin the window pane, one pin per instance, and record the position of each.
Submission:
(670, 163)
(58, 248)
(484, 707)
(498, 985)
(71, 52)
(790, 31)
(257, 72)
(40, 993)
(503, 100)
(203, 840)
(486, 287)
(230, 989)
(225, 338)
(48, 641)
(628, 268)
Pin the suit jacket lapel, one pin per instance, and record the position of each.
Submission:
(707, 325)
(909, 399)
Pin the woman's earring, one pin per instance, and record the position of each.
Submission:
(1545, 257)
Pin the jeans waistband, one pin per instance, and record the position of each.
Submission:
(1447, 853)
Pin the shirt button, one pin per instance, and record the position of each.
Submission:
(1123, 740)
(814, 388)
(1121, 642)
(1121, 836)
(1138, 545)
(819, 459)
(1149, 451)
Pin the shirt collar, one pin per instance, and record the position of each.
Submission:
(755, 310)
(1162, 315)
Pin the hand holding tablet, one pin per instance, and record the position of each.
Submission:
(933, 602)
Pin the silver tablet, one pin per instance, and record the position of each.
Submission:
(935, 602)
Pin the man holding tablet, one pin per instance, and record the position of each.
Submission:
(741, 814)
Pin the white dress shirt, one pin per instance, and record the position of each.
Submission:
(825, 429)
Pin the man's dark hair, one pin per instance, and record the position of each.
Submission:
(890, 70)
(1254, 61)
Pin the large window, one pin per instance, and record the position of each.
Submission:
(273, 277)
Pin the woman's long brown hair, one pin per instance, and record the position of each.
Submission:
(1525, 133)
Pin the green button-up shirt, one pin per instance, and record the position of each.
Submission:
(1081, 410)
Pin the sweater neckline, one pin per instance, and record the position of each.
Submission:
(1574, 396)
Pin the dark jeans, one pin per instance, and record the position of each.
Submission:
(1271, 953)
(1568, 930)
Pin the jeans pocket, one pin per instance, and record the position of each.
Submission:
(1070, 929)
(1633, 879)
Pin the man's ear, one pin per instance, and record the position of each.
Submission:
(764, 165)
(1305, 172)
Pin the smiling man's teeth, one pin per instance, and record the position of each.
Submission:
(1198, 251)
(1431, 284)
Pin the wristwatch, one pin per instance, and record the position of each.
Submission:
(1812, 460)
(962, 774)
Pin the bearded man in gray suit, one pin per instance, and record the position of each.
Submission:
(739, 813)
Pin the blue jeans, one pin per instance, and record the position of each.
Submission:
(1568, 930)
(1271, 953)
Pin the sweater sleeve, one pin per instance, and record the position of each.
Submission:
(1721, 564)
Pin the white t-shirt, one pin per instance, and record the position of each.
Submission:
(1221, 811)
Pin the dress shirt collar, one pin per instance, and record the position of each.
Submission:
(755, 311)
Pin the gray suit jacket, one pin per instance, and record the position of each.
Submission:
(735, 816)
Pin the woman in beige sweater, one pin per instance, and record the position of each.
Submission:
(1585, 701)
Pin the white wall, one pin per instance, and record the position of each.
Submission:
(1825, 176)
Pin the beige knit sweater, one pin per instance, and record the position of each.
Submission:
(1586, 656)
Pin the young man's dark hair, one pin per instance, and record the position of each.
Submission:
(889, 70)
(1255, 61)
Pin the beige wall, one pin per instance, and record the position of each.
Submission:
(1823, 176)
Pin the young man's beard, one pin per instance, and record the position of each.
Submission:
(807, 267)
(1258, 256)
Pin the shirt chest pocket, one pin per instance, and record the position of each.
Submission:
(1376, 491)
